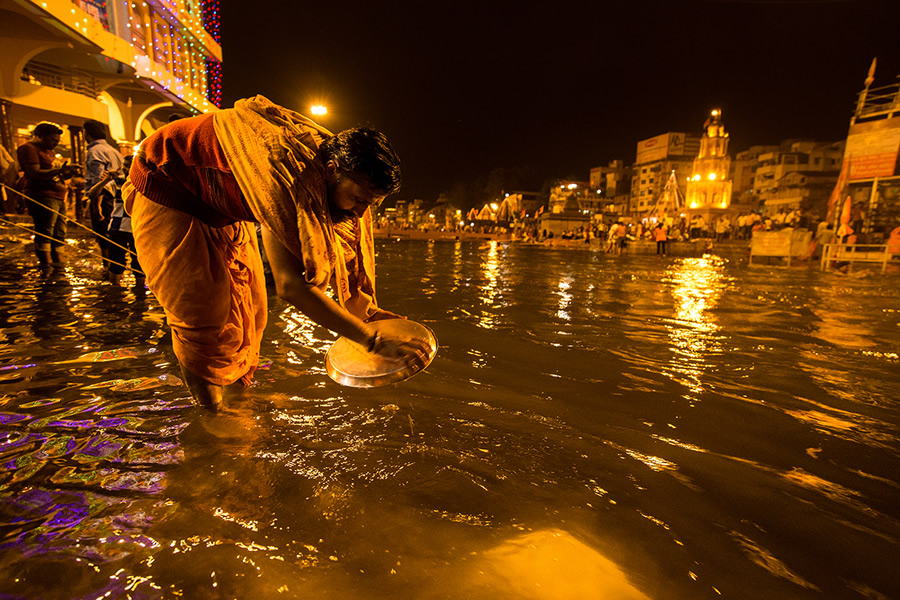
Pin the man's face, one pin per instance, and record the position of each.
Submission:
(350, 193)
(49, 141)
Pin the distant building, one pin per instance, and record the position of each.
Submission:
(570, 208)
(820, 161)
(612, 186)
(656, 158)
(709, 186)
(805, 190)
(870, 172)
(405, 213)
(519, 201)
(572, 197)
(743, 173)
(131, 65)
(442, 215)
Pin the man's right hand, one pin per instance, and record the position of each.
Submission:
(412, 351)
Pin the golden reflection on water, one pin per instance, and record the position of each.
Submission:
(697, 284)
(457, 266)
(549, 564)
(302, 330)
(765, 559)
(835, 327)
(490, 269)
(565, 298)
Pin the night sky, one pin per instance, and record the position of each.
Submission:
(550, 89)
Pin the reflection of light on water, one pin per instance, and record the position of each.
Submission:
(655, 463)
(767, 561)
(697, 285)
(833, 491)
(490, 268)
(565, 298)
(302, 330)
(225, 515)
(836, 328)
(457, 265)
(549, 564)
(679, 443)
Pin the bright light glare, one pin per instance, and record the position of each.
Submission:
(318, 110)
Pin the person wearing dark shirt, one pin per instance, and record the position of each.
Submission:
(45, 184)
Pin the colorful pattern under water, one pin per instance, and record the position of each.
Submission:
(593, 427)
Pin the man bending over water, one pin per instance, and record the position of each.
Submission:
(195, 191)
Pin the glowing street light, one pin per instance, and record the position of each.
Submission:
(318, 110)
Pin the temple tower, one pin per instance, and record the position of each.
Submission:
(709, 186)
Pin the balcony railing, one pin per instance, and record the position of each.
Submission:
(70, 80)
(878, 101)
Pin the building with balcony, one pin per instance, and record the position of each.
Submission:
(870, 170)
(775, 186)
(131, 65)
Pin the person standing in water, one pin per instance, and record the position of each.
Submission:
(46, 184)
(195, 191)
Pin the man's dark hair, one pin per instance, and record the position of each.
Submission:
(95, 129)
(45, 128)
(365, 152)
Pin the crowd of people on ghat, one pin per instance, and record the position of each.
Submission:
(614, 237)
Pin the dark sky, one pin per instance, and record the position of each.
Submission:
(554, 88)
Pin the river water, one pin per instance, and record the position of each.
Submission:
(593, 426)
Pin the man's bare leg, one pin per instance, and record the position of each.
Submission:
(208, 395)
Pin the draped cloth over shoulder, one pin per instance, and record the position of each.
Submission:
(208, 276)
(272, 153)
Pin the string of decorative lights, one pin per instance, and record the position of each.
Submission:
(177, 44)
(211, 21)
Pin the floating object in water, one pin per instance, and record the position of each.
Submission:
(350, 364)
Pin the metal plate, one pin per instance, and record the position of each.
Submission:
(349, 364)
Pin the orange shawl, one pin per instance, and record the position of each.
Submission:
(273, 154)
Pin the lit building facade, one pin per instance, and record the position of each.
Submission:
(656, 158)
(129, 64)
(709, 185)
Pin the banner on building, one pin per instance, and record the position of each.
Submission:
(659, 147)
(872, 149)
